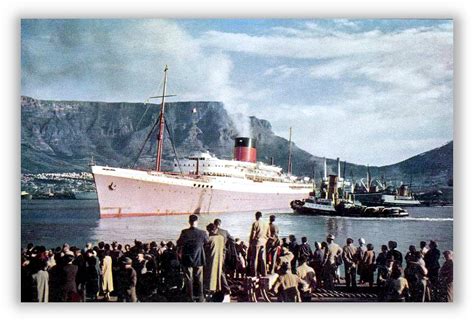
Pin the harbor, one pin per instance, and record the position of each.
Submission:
(286, 174)
(55, 222)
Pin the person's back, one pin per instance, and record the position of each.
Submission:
(318, 258)
(225, 234)
(191, 252)
(68, 281)
(214, 262)
(361, 249)
(92, 275)
(368, 266)
(334, 250)
(126, 282)
(304, 250)
(107, 277)
(258, 233)
(350, 263)
(446, 277)
(381, 259)
(167, 259)
(348, 255)
(394, 254)
(432, 258)
(287, 285)
(191, 243)
(55, 279)
(307, 274)
(294, 247)
(41, 286)
(273, 232)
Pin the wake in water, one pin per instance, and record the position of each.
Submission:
(430, 219)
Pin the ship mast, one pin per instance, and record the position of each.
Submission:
(162, 124)
(289, 155)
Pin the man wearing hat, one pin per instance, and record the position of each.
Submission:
(191, 251)
(333, 254)
(126, 281)
(68, 278)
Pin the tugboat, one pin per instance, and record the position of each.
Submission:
(329, 203)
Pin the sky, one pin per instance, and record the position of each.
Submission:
(368, 91)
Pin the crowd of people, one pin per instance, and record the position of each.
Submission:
(203, 263)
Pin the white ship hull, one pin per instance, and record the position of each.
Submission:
(127, 192)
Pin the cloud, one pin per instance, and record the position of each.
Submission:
(368, 91)
(393, 97)
(122, 60)
(281, 72)
(310, 43)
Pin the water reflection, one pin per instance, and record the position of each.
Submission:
(54, 222)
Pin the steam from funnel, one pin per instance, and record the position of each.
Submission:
(242, 124)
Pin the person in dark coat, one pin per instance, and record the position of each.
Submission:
(55, 278)
(92, 275)
(381, 263)
(432, 262)
(26, 280)
(170, 267)
(126, 281)
(394, 254)
(191, 251)
(410, 256)
(304, 250)
(81, 276)
(68, 280)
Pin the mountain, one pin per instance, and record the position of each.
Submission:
(62, 136)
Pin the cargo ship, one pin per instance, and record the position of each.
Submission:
(375, 193)
(199, 184)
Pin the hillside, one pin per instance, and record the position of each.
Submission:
(62, 136)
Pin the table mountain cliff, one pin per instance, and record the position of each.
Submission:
(62, 136)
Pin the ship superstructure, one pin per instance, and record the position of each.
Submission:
(200, 183)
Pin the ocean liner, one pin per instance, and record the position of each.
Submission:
(199, 184)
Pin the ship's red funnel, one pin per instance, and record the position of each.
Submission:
(245, 149)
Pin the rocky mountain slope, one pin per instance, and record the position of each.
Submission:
(62, 136)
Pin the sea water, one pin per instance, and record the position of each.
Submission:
(76, 222)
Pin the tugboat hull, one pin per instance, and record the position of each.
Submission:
(345, 210)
